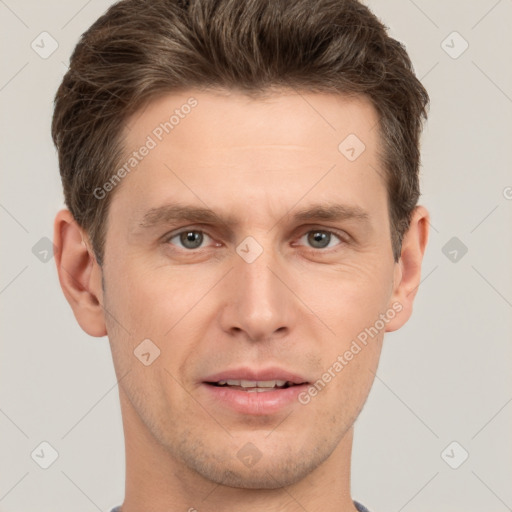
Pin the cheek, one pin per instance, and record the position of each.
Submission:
(357, 376)
(147, 302)
(348, 374)
(350, 297)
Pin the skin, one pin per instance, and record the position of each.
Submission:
(297, 306)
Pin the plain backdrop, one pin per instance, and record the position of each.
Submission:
(443, 390)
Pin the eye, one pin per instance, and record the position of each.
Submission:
(189, 239)
(321, 238)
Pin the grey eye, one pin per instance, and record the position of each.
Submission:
(320, 239)
(189, 239)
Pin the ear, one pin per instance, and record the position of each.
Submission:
(79, 274)
(407, 272)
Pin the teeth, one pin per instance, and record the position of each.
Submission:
(254, 383)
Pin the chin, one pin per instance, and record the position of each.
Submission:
(263, 478)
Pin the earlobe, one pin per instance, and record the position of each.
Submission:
(408, 268)
(79, 274)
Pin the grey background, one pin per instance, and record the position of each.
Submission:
(444, 377)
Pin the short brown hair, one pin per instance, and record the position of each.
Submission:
(140, 49)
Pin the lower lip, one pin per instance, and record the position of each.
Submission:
(255, 402)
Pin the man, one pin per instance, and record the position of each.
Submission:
(242, 184)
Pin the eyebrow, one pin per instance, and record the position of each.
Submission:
(170, 213)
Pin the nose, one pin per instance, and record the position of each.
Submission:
(258, 304)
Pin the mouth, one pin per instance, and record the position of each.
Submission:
(255, 386)
(254, 392)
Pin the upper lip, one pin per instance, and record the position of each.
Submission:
(264, 374)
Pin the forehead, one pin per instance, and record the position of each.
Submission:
(225, 147)
(281, 118)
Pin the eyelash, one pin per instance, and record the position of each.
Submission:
(342, 239)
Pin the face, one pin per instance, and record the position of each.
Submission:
(248, 246)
